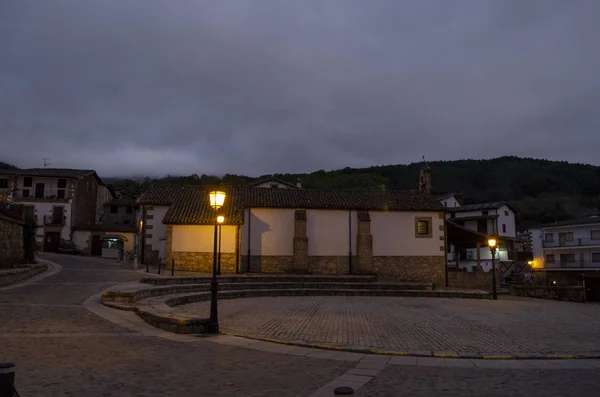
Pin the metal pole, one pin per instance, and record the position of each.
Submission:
(147, 269)
(172, 267)
(7, 379)
(494, 294)
(213, 324)
(219, 255)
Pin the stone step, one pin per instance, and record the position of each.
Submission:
(132, 294)
(253, 278)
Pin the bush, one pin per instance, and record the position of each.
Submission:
(29, 243)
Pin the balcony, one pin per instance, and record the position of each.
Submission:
(581, 264)
(52, 220)
(578, 242)
(31, 194)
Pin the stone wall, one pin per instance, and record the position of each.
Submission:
(410, 268)
(11, 242)
(11, 276)
(475, 280)
(561, 293)
(334, 265)
(200, 261)
(84, 202)
(269, 264)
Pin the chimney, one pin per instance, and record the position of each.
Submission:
(425, 179)
(299, 183)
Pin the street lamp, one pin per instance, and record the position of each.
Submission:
(220, 220)
(217, 198)
(492, 244)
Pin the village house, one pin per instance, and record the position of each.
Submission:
(273, 182)
(394, 234)
(58, 199)
(568, 252)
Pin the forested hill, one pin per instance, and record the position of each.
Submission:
(543, 191)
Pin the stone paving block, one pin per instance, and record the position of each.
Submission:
(458, 363)
(588, 355)
(348, 356)
(403, 361)
(420, 353)
(469, 355)
(530, 356)
(376, 366)
(375, 358)
(354, 378)
(445, 354)
(323, 353)
(364, 372)
(430, 362)
(502, 364)
(338, 383)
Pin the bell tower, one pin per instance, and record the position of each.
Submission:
(425, 178)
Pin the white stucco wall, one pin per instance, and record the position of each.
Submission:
(81, 238)
(188, 238)
(272, 231)
(327, 232)
(158, 231)
(394, 234)
(450, 202)
(269, 185)
(45, 208)
(508, 220)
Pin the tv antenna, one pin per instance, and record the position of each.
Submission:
(46, 163)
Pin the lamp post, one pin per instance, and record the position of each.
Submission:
(492, 245)
(217, 198)
(220, 220)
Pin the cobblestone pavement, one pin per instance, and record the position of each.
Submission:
(62, 349)
(403, 324)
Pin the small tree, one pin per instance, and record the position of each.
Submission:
(29, 243)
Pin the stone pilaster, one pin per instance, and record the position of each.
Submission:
(364, 244)
(300, 243)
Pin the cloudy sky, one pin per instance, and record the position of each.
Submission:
(263, 86)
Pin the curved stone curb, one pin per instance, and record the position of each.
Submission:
(52, 269)
(441, 355)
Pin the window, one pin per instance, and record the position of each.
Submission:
(28, 181)
(3, 183)
(596, 257)
(595, 234)
(506, 213)
(484, 212)
(549, 237)
(25, 193)
(453, 215)
(566, 236)
(62, 183)
(504, 228)
(445, 203)
(114, 209)
(549, 258)
(60, 194)
(423, 227)
(567, 258)
(129, 209)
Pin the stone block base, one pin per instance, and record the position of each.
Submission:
(200, 262)
(269, 263)
(410, 268)
(475, 280)
(334, 265)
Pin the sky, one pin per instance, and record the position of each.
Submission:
(255, 87)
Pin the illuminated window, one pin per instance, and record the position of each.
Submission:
(423, 227)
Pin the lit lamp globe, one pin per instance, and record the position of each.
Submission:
(217, 198)
(492, 243)
(220, 219)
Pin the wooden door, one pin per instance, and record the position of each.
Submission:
(39, 190)
(96, 248)
(51, 241)
(592, 289)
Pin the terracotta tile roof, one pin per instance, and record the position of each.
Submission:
(163, 194)
(190, 204)
(480, 207)
(49, 172)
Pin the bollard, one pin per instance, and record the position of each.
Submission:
(172, 267)
(7, 379)
(343, 391)
(158, 271)
(147, 269)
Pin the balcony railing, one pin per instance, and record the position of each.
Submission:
(578, 242)
(54, 220)
(581, 264)
(46, 194)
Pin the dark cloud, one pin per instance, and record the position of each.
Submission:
(257, 87)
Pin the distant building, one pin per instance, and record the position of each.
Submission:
(58, 199)
(276, 183)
